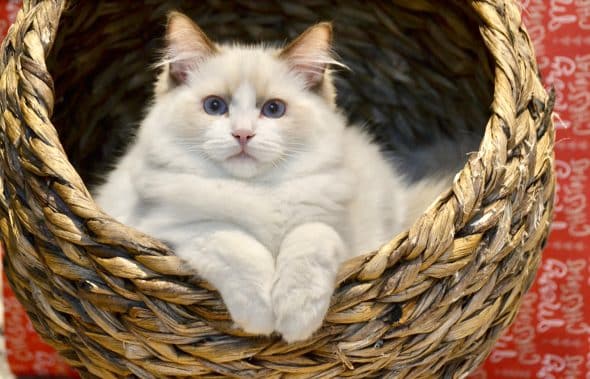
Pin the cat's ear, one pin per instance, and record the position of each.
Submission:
(310, 53)
(186, 46)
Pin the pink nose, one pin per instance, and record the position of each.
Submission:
(243, 135)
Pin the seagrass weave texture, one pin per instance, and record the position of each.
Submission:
(74, 78)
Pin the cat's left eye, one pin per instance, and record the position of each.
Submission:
(274, 108)
(214, 105)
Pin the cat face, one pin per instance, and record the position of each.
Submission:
(248, 109)
(247, 117)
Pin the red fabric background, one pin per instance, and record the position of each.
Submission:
(551, 336)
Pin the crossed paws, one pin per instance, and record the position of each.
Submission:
(291, 306)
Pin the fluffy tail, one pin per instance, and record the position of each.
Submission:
(421, 195)
(441, 159)
(429, 171)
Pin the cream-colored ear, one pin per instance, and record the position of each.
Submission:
(310, 53)
(186, 46)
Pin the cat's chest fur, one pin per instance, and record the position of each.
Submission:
(267, 209)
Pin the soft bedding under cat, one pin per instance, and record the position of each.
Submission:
(245, 165)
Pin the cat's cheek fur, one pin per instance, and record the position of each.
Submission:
(218, 143)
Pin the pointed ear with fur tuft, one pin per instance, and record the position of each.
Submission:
(186, 46)
(311, 53)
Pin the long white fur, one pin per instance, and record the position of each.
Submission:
(269, 233)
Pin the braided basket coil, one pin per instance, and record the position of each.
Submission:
(430, 303)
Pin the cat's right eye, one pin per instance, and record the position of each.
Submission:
(214, 105)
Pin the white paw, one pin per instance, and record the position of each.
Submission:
(250, 308)
(299, 310)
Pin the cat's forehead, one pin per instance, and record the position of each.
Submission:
(259, 66)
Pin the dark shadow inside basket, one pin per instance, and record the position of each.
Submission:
(419, 70)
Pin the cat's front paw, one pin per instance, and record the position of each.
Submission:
(299, 310)
(251, 310)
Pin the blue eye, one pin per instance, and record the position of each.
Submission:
(274, 108)
(214, 105)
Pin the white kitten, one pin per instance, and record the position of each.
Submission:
(244, 164)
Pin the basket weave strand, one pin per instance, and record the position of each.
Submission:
(429, 303)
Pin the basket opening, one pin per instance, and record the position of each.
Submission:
(419, 71)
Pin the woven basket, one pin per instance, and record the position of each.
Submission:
(430, 303)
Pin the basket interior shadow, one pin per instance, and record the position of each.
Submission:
(416, 76)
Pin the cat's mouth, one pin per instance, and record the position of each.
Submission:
(242, 155)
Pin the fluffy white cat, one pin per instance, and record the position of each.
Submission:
(244, 164)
